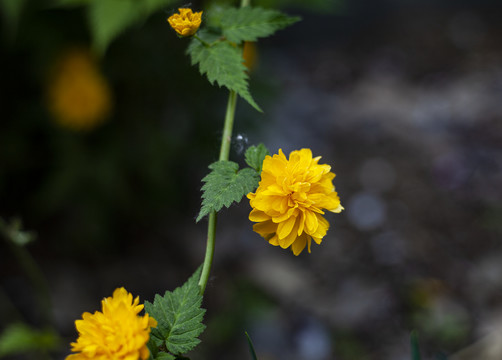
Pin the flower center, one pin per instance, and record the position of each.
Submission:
(298, 195)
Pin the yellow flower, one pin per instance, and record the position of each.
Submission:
(78, 95)
(249, 54)
(116, 333)
(186, 23)
(288, 204)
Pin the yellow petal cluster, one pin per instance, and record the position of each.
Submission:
(186, 23)
(117, 333)
(288, 204)
(79, 96)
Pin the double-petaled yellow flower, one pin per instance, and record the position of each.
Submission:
(186, 23)
(118, 332)
(288, 204)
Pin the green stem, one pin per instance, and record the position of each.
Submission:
(205, 43)
(208, 260)
(228, 126)
(226, 141)
(224, 154)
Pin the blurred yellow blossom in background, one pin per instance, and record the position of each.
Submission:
(250, 54)
(79, 96)
(115, 333)
(186, 23)
(289, 201)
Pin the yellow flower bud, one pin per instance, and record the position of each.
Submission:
(186, 23)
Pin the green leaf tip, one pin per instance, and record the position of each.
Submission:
(251, 23)
(224, 185)
(255, 155)
(222, 63)
(179, 318)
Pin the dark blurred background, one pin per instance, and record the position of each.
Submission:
(402, 98)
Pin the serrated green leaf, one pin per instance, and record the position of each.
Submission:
(164, 356)
(255, 155)
(250, 23)
(179, 317)
(224, 185)
(222, 63)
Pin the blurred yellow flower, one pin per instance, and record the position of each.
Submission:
(78, 95)
(115, 333)
(249, 54)
(186, 23)
(288, 204)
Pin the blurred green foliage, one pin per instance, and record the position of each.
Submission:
(12, 11)
(415, 348)
(21, 339)
(109, 18)
(13, 232)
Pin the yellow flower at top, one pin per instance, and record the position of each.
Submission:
(289, 201)
(186, 23)
(79, 96)
(116, 333)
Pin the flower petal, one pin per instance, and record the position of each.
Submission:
(289, 239)
(299, 244)
(258, 216)
(311, 222)
(285, 227)
(322, 228)
(265, 228)
(274, 240)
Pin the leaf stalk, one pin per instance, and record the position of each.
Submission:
(205, 43)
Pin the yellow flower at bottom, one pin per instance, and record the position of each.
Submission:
(288, 204)
(116, 333)
(186, 23)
